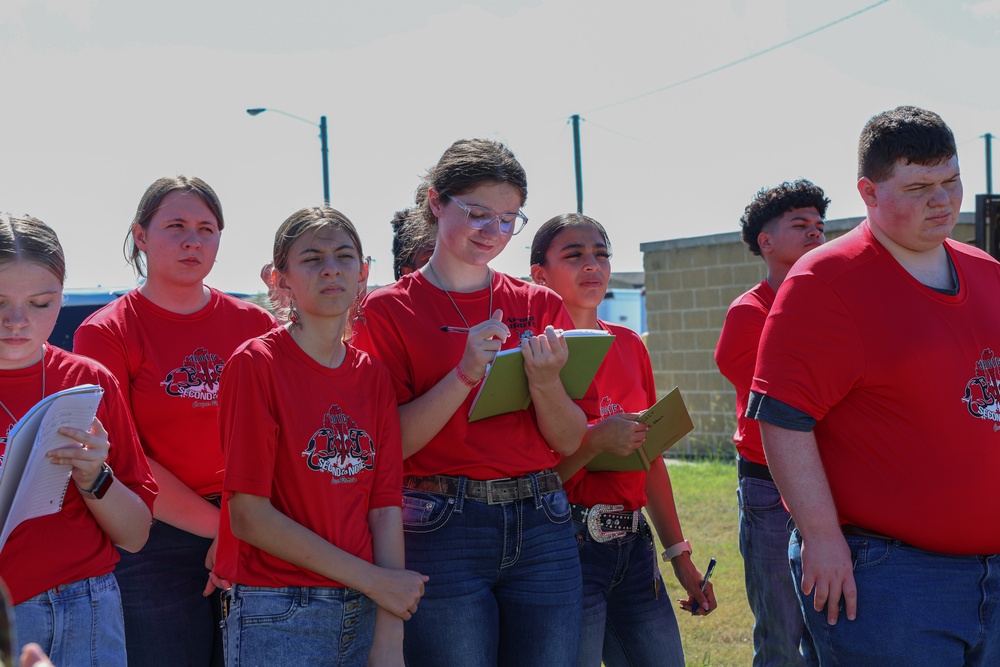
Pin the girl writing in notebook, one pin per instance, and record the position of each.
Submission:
(58, 567)
(484, 514)
(628, 618)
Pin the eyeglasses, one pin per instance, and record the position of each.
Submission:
(480, 217)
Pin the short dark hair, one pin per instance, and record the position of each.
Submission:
(769, 204)
(911, 134)
(410, 236)
(548, 232)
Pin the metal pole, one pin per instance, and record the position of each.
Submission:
(326, 165)
(579, 163)
(989, 163)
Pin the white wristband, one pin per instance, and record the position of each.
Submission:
(676, 550)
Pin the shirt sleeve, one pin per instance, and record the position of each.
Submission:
(249, 431)
(102, 345)
(771, 410)
(810, 353)
(387, 490)
(736, 351)
(125, 457)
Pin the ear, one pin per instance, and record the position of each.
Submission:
(868, 191)
(281, 284)
(538, 274)
(363, 276)
(139, 237)
(764, 241)
(434, 200)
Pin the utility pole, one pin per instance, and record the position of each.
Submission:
(579, 163)
(989, 163)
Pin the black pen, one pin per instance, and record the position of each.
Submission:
(455, 330)
(704, 582)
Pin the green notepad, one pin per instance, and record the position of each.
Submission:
(668, 422)
(505, 387)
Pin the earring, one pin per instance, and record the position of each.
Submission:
(293, 315)
(359, 312)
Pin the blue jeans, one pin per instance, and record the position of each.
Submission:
(915, 608)
(780, 638)
(298, 626)
(504, 584)
(167, 620)
(626, 621)
(77, 624)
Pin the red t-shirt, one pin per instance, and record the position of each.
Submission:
(402, 328)
(322, 443)
(69, 545)
(624, 383)
(168, 366)
(904, 382)
(736, 357)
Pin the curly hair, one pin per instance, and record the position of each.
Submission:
(907, 133)
(769, 204)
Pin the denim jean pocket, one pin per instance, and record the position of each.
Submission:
(425, 512)
(556, 507)
(868, 552)
(262, 607)
(757, 495)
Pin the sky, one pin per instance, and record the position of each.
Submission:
(687, 108)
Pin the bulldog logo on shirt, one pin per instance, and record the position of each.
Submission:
(522, 327)
(340, 447)
(982, 393)
(197, 378)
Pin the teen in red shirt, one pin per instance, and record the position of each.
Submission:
(167, 343)
(310, 430)
(485, 516)
(626, 619)
(58, 567)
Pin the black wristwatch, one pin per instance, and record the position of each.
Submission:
(101, 485)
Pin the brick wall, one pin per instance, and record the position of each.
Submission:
(690, 283)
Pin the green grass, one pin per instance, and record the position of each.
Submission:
(705, 494)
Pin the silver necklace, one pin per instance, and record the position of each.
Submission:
(489, 283)
(10, 414)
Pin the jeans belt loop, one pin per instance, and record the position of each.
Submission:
(535, 492)
(460, 494)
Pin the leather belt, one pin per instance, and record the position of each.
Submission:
(607, 522)
(493, 491)
(755, 470)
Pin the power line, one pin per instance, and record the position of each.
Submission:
(739, 60)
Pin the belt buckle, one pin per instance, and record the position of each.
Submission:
(594, 523)
(496, 490)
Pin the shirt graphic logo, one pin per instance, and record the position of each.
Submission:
(983, 390)
(340, 447)
(522, 327)
(198, 378)
(608, 408)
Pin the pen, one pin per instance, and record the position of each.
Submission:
(455, 330)
(704, 582)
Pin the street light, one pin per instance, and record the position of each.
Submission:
(322, 139)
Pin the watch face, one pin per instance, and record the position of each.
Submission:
(104, 482)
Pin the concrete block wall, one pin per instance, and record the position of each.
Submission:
(690, 283)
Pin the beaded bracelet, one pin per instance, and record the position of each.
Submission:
(466, 380)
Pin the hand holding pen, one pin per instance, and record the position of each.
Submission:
(701, 596)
